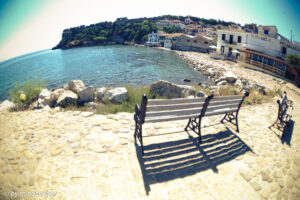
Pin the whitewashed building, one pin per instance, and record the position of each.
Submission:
(266, 49)
(153, 39)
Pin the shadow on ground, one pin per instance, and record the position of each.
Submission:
(177, 159)
(287, 133)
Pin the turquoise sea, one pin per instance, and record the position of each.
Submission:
(97, 66)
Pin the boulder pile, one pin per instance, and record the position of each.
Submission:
(171, 90)
(76, 93)
(219, 73)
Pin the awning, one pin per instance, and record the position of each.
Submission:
(235, 51)
(213, 47)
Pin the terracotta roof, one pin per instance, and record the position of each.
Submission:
(172, 34)
(233, 30)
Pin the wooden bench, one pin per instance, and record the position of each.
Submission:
(159, 110)
(285, 108)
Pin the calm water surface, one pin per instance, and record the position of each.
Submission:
(97, 66)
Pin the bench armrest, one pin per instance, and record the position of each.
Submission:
(137, 110)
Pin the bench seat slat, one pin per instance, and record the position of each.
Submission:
(174, 107)
(195, 110)
(170, 118)
(226, 98)
(174, 101)
(222, 107)
(227, 102)
(218, 112)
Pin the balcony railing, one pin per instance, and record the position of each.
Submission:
(269, 68)
(228, 42)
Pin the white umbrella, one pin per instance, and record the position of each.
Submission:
(235, 51)
(213, 47)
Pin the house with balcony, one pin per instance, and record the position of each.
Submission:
(265, 49)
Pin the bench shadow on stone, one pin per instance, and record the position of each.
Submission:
(171, 160)
(286, 133)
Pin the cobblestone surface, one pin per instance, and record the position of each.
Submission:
(86, 156)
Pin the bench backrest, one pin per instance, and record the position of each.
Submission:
(174, 109)
(157, 110)
(224, 104)
(283, 106)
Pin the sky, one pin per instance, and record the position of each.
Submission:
(31, 25)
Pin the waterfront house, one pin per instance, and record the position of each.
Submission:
(197, 43)
(265, 49)
(153, 39)
(167, 40)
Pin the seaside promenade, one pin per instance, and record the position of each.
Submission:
(79, 155)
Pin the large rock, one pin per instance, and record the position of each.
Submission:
(87, 94)
(170, 90)
(44, 93)
(99, 93)
(40, 104)
(230, 77)
(116, 95)
(67, 98)
(5, 105)
(76, 85)
(51, 100)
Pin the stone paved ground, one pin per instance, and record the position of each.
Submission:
(84, 156)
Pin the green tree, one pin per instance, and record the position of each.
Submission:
(294, 60)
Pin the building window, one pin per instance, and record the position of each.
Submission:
(266, 32)
(195, 41)
(239, 39)
(223, 36)
(259, 59)
(188, 40)
(229, 51)
(282, 67)
(231, 39)
(283, 50)
(270, 62)
(255, 57)
(222, 49)
(206, 42)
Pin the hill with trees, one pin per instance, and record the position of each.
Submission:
(123, 31)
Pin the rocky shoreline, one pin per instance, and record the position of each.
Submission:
(75, 93)
(219, 74)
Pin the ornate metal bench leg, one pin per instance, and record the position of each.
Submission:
(188, 124)
(237, 122)
(199, 130)
(274, 123)
(222, 120)
(141, 138)
(135, 131)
